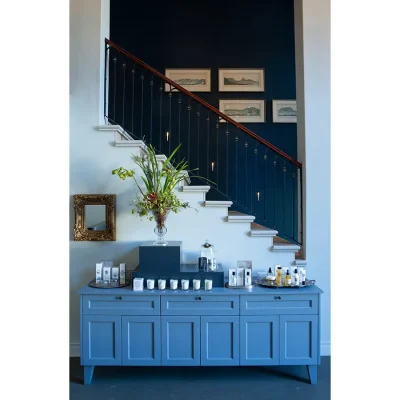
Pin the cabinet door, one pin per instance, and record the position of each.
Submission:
(259, 340)
(141, 340)
(101, 340)
(180, 340)
(298, 339)
(219, 340)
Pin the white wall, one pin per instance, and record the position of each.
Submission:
(92, 158)
(312, 18)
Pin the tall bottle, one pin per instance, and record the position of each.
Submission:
(288, 279)
(296, 277)
(278, 276)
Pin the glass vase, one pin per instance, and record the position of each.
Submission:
(160, 230)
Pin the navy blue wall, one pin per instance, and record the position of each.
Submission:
(206, 34)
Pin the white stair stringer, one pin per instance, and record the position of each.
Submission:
(205, 219)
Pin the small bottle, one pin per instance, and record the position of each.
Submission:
(270, 277)
(279, 276)
(296, 277)
(288, 279)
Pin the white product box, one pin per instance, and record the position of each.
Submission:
(138, 284)
(247, 277)
(232, 277)
(240, 276)
(107, 274)
(122, 269)
(99, 267)
(114, 274)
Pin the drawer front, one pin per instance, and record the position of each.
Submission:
(200, 305)
(279, 304)
(121, 305)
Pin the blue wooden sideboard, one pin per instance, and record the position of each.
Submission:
(258, 326)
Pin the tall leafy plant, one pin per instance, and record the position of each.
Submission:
(158, 196)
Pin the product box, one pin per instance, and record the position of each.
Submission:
(99, 267)
(107, 274)
(122, 269)
(114, 274)
(247, 277)
(239, 276)
(232, 277)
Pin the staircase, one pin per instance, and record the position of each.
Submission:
(253, 183)
(216, 221)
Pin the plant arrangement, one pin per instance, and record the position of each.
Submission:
(158, 198)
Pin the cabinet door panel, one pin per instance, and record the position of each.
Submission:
(180, 340)
(259, 340)
(101, 340)
(298, 339)
(219, 340)
(141, 340)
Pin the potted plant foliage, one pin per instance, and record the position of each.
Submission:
(158, 197)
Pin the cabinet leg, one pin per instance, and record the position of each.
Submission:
(88, 374)
(312, 373)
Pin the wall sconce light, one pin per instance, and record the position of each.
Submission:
(258, 196)
(212, 166)
(167, 136)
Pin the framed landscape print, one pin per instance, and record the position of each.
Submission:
(243, 111)
(241, 80)
(194, 80)
(284, 111)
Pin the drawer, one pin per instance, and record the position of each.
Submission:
(200, 305)
(120, 305)
(279, 304)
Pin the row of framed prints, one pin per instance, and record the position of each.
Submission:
(229, 80)
(248, 111)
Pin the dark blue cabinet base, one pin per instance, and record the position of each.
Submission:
(221, 327)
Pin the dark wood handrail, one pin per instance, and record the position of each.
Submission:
(204, 103)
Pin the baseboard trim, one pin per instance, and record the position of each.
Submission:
(325, 348)
(75, 349)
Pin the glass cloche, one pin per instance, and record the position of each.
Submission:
(208, 250)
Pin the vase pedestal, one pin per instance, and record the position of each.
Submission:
(155, 259)
(164, 262)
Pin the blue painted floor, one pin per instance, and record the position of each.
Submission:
(200, 383)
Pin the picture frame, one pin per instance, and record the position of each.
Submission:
(241, 80)
(82, 230)
(192, 79)
(243, 111)
(244, 264)
(284, 111)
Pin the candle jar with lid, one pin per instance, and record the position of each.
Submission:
(208, 250)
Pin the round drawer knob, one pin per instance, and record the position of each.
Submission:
(277, 297)
(198, 298)
(119, 298)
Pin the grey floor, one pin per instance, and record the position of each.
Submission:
(200, 383)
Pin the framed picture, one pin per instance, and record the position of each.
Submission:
(284, 111)
(244, 264)
(243, 111)
(194, 80)
(241, 80)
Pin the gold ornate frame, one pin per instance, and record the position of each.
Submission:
(80, 231)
